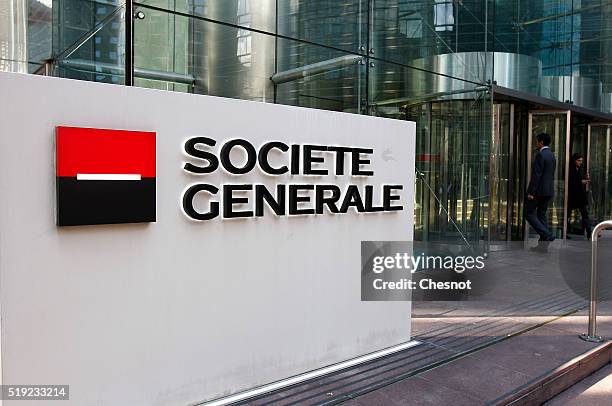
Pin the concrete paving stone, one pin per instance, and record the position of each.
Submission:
(578, 323)
(475, 378)
(417, 392)
(534, 353)
(554, 341)
(428, 309)
(376, 398)
(464, 344)
(423, 325)
(451, 326)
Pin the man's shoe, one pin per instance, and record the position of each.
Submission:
(539, 248)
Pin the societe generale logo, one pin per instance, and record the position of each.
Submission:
(105, 176)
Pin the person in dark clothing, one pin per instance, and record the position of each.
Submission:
(577, 195)
(540, 190)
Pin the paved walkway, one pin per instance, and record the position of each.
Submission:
(485, 376)
(529, 288)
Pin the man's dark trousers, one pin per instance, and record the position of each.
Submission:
(535, 214)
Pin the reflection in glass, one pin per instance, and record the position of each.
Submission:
(452, 199)
(318, 77)
(88, 40)
(339, 24)
(232, 62)
(600, 170)
(255, 14)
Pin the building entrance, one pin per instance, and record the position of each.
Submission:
(599, 168)
(474, 171)
(452, 166)
(557, 124)
(512, 152)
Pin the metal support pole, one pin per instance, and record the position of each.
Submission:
(112, 69)
(568, 146)
(314, 69)
(528, 174)
(129, 43)
(591, 335)
(46, 69)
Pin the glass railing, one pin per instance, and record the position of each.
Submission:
(89, 40)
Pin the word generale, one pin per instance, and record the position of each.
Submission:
(235, 200)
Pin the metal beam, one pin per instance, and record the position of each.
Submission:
(129, 43)
(110, 69)
(550, 103)
(314, 69)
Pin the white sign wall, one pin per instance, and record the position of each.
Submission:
(179, 311)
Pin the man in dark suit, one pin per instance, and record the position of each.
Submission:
(540, 189)
(577, 193)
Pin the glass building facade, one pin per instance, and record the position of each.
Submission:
(480, 77)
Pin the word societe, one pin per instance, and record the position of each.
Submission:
(287, 199)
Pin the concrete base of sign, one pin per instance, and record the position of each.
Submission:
(243, 396)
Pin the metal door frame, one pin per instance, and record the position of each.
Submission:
(495, 165)
(568, 115)
(511, 171)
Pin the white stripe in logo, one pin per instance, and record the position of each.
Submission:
(107, 176)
